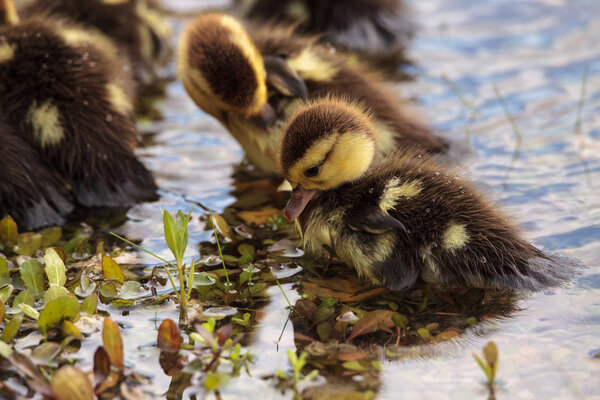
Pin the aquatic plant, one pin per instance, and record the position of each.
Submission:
(489, 365)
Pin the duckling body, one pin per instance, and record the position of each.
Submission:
(403, 217)
(255, 85)
(70, 100)
(29, 192)
(376, 28)
(135, 26)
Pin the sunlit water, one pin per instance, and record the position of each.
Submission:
(535, 53)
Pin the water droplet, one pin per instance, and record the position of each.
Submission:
(109, 118)
(483, 260)
(92, 64)
(371, 190)
(46, 55)
(38, 34)
(86, 103)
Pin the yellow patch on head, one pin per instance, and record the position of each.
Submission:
(11, 17)
(386, 137)
(7, 51)
(45, 120)
(455, 237)
(394, 191)
(76, 36)
(348, 157)
(118, 99)
(113, 2)
(310, 66)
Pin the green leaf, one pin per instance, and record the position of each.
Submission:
(89, 304)
(66, 307)
(50, 235)
(176, 233)
(8, 229)
(24, 297)
(29, 311)
(55, 268)
(33, 277)
(28, 243)
(5, 293)
(130, 290)
(246, 250)
(355, 366)
(400, 320)
(69, 383)
(11, 328)
(4, 274)
(2, 311)
(108, 290)
(215, 380)
(111, 270)
(424, 333)
(5, 350)
(54, 293)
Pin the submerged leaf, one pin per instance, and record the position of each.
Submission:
(8, 229)
(70, 383)
(55, 268)
(373, 321)
(169, 338)
(111, 270)
(113, 344)
(28, 243)
(33, 277)
(66, 307)
(130, 290)
(259, 217)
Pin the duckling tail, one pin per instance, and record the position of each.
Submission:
(118, 181)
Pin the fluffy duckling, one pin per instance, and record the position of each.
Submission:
(135, 26)
(379, 29)
(400, 218)
(252, 80)
(29, 192)
(67, 96)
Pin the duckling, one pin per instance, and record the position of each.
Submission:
(378, 30)
(402, 217)
(67, 96)
(29, 192)
(252, 80)
(135, 26)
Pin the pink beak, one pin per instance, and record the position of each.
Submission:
(298, 201)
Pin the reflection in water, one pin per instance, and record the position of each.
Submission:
(543, 58)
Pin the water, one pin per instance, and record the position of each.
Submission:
(536, 54)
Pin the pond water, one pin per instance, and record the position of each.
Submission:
(479, 67)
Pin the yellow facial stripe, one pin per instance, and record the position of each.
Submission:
(118, 99)
(455, 237)
(7, 51)
(315, 154)
(312, 67)
(45, 120)
(394, 191)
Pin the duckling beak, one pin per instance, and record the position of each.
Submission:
(265, 117)
(298, 201)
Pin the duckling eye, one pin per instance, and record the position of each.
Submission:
(312, 171)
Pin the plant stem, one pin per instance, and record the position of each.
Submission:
(284, 295)
(219, 247)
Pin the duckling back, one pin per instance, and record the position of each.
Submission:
(71, 101)
(135, 26)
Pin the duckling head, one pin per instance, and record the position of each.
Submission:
(326, 144)
(221, 68)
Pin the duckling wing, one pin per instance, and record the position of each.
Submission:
(282, 78)
(375, 222)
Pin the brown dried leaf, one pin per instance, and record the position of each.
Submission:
(101, 366)
(113, 344)
(169, 337)
(70, 383)
(345, 290)
(258, 217)
(373, 321)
